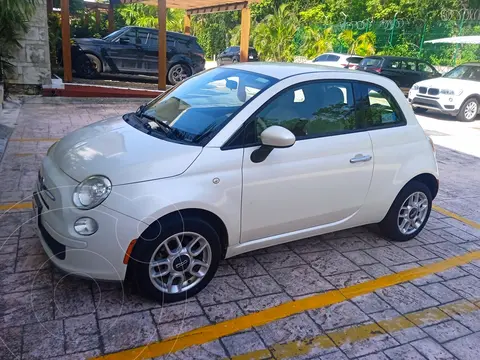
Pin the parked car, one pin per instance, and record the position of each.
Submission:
(338, 60)
(404, 71)
(134, 50)
(210, 170)
(231, 55)
(456, 93)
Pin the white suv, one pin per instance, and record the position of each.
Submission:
(456, 93)
(232, 160)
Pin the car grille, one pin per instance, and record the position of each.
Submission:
(422, 90)
(433, 91)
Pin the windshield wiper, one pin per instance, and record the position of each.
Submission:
(167, 129)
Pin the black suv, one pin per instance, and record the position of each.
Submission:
(232, 55)
(404, 71)
(134, 50)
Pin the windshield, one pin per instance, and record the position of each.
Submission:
(202, 105)
(464, 72)
(113, 35)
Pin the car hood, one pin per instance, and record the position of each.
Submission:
(124, 154)
(446, 83)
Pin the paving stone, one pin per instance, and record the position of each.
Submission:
(27, 281)
(433, 224)
(337, 355)
(461, 234)
(8, 246)
(292, 328)
(224, 269)
(209, 351)
(11, 343)
(79, 356)
(338, 315)
(223, 312)
(348, 279)
(446, 331)
(377, 356)
(402, 329)
(432, 350)
(428, 237)
(471, 269)
(11, 222)
(263, 285)
(373, 239)
(452, 273)
(329, 262)
(179, 311)
(263, 302)
(26, 307)
(406, 298)
(300, 280)
(30, 247)
(465, 348)
(404, 352)
(420, 253)
(348, 244)
(444, 234)
(446, 249)
(403, 267)
(118, 302)
(377, 270)
(467, 287)
(43, 340)
(243, 343)
(32, 262)
(127, 331)
(72, 297)
(168, 330)
(309, 245)
(370, 303)
(247, 267)
(279, 260)
(81, 334)
(464, 312)
(360, 257)
(440, 293)
(7, 264)
(425, 280)
(391, 255)
(224, 289)
(470, 246)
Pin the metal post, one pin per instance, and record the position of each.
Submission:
(459, 34)
(162, 44)
(393, 29)
(423, 37)
(66, 47)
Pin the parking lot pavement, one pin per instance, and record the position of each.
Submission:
(347, 295)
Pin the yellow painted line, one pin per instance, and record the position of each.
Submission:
(456, 216)
(15, 206)
(24, 154)
(213, 332)
(33, 139)
(337, 338)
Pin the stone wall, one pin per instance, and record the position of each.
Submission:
(32, 60)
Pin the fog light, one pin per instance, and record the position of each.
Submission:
(450, 99)
(85, 226)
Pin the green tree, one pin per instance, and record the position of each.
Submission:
(317, 42)
(363, 44)
(139, 14)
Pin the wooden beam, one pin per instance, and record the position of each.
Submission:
(162, 44)
(111, 19)
(218, 8)
(66, 48)
(97, 19)
(186, 24)
(245, 34)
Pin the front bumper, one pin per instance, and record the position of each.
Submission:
(439, 103)
(98, 256)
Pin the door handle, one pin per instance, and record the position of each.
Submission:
(360, 158)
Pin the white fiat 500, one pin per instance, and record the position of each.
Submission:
(232, 160)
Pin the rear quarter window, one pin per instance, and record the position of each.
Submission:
(354, 60)
(371, 62)
(333, 58)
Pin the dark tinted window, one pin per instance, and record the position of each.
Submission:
(371, 62)
(378, 108)
(308, 110)
(153, 39)
(333, 58)
(394, 64)
(354, 60)
(409, 65)
(321, 58)
(235, 49)
(423, 66)
(142, 36)
(130, 35)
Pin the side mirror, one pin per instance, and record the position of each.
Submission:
(272, 137)
(232, 84)
(124, 41)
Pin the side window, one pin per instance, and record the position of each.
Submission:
(395, 64)
(153, 39)
(321, 58)
(308, 110)
(333, 58)
(131, 35)
(409, 65)
(142, 36)
(422, 66)
(378, 107)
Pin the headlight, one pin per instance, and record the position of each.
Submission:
(91, 192)
(415, 87)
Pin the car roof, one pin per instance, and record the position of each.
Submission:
(284, 70)
(390, 57)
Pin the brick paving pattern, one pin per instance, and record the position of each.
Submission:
(46, 315)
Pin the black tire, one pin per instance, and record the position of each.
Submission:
(145, 248)
(389, 226)
(87, 66)
(178, 72)
(418, 110)
(461, 116)
(235, 60)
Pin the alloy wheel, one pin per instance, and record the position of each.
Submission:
(471, 110)
(413, 213)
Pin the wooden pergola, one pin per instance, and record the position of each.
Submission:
(192, 7)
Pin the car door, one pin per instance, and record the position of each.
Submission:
(410, 74)
(426, 70)
(392, 69)
(322, 179)
(122, 54)
(146, 55)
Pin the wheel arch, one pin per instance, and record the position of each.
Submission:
(429, 180)
(98, 56)
(474, 96)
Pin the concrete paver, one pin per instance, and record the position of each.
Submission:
(48, 316)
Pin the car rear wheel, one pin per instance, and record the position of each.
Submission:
(87, 66)
(178, 73)
(179, 262)
(409, 212)
(469, 110)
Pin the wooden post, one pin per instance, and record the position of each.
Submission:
(66, 49)
(245, 34)
(186, 24)
(49, 7)
(97, 19)
(162, 44)
(86, 17)
(111, 19)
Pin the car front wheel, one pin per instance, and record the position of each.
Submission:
(179, 261)
(469, 110)
(178, 73)
(409, 212)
